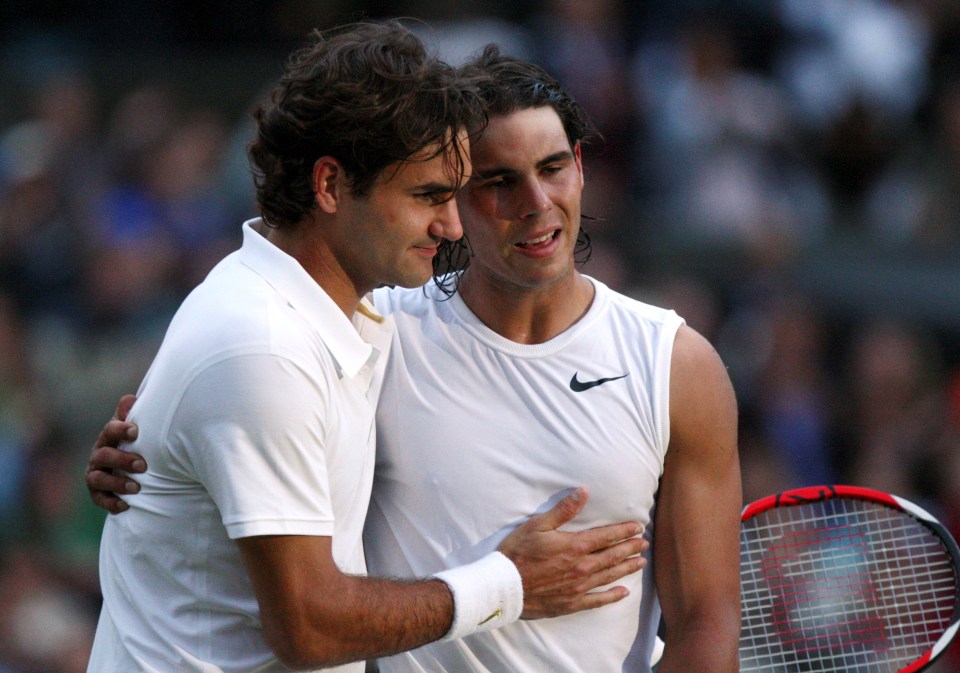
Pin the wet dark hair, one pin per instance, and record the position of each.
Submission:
(506, 85)
(366, 94)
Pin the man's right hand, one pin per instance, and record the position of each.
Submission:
(104, 485)
(561, 569)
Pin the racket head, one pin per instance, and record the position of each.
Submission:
(845, 579)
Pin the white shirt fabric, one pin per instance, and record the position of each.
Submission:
(475, 432)
(256, 418)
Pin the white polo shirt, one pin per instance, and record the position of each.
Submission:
(256, 418)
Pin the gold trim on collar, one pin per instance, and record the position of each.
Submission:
(367, 313)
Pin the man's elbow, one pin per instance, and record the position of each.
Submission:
(299, 647)
(299, 658)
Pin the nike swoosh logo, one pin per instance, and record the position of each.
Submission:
(578, 386)
(496, 613)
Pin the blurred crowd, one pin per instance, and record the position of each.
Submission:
(783, 173)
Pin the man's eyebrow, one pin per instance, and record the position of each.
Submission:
(555, 157)
(562, 155)
(432, 187)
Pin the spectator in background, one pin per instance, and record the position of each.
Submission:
(19, 421)
(163, 219)
(45, 624)
(915, 203)
(897, 407)
(38, 237)
(794, 394)
(721, 152)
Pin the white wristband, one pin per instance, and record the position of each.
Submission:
(486, 595)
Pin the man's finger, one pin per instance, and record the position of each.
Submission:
(601, 568)
(600, 598)
(109, 502)
(98, 480)
(609, 574)
(124, 406)
(108, 458)
(602, 537)
(564, 604)
(116, 431)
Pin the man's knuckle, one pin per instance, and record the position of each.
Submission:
(583, 568)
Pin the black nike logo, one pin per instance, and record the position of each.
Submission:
(578, 386)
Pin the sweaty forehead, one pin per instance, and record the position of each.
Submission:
(524, 136)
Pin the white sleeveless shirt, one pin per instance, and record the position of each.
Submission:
(476, 432)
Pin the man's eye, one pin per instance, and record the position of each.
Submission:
(496, 183)
(435, 198)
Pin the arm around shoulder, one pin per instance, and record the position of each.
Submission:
(697, 540)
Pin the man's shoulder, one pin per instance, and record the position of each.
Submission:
(233, 312)
(233, 296)
(634, 310)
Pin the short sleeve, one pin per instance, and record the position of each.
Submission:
(253, 428)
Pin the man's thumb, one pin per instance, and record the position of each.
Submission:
(565, 510)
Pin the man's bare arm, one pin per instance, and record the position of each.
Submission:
(314, 615)
(697, 540)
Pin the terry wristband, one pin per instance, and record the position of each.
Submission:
(486, 594)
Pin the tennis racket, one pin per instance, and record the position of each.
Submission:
(844, 579)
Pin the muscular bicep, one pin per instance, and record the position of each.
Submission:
(697, 522)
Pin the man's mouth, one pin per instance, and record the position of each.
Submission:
(427, 249)
(539, 240)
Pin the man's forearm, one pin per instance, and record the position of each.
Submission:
(393, 616)
(314, 615)
(371, 618)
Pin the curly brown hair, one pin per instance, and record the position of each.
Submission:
(367, 94)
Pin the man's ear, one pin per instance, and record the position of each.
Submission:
(328, 180)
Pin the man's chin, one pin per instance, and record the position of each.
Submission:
(412, 278)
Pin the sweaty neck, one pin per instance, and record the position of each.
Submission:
(527, 315)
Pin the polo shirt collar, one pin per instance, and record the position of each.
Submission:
(285, 275)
